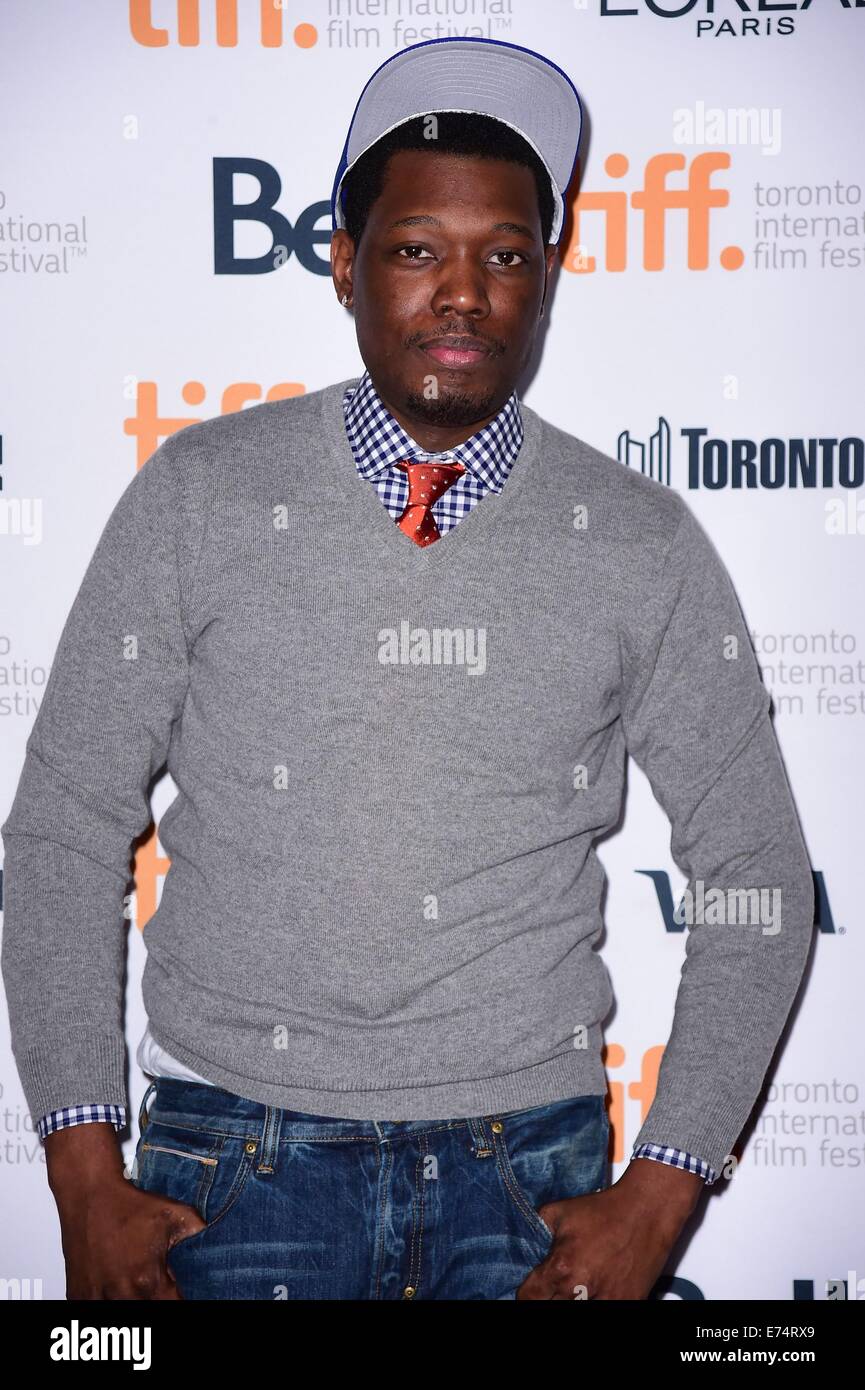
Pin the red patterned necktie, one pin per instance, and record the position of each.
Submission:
(427, 482)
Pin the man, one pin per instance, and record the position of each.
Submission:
(393, 640)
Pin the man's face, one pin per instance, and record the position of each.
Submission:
(452, 250)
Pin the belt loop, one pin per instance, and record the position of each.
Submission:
(480, 1140)
(143, 1116)
(270, 1139)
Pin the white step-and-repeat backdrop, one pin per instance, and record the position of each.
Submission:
(705, 327)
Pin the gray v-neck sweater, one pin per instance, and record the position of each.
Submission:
(392, 763)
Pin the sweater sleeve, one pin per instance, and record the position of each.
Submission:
(695, 715)
(116, 686)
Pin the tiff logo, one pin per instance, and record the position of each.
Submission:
(225, 17)
(653, 203)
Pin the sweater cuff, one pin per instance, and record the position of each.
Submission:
(710, 1132)
(65, 1071)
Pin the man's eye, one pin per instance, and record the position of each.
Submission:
(407, 253)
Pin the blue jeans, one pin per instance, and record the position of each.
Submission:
(302, 1206)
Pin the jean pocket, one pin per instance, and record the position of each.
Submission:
(519, 1176)
(201, 1168)
(550, 1153)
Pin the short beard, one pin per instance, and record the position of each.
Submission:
(453, 407)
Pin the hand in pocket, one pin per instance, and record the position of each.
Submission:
(116, 1243)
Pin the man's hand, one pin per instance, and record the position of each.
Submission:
(115, 1237)
(614, 1244)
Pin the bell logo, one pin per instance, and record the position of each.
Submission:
(224, 16)
(301, 238)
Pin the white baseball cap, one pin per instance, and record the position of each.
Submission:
(515, 85)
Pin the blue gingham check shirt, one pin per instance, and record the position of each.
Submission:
(378, 442)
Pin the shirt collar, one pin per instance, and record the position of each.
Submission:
(378, 440)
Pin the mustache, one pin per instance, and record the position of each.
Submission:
(493, 345)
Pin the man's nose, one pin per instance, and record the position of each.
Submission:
(460, 290)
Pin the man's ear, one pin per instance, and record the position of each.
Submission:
(341, 260)
(550, 258)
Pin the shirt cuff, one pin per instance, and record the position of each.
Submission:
(82, 1115)
(678, 1158)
